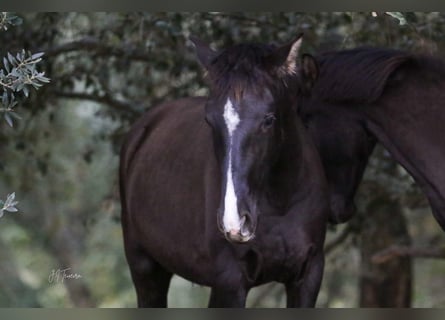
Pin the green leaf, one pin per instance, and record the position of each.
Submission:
(11, 59)
(37, 55)
(6, 64)
(17, 21)
(10, 197)
(5, 98)
(36, 61)
(8, 119)
(9, 204)
(14, 115)
(44, 79)
(19, 87)
(399, 16)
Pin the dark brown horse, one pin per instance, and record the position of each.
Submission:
(370, 94)
(227, 191)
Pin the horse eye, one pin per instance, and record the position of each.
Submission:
(268, 121)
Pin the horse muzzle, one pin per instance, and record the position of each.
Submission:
(245, 233)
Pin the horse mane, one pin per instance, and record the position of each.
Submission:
(242, 67)
(357, 75)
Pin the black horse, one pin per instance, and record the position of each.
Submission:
(239, 161)
(367, 95)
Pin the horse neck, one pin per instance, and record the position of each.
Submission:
(408, 121)
(309, 166)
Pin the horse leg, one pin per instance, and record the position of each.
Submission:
(150, 279)
(224, 298)
(303, 291)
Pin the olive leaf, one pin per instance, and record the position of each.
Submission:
(9, 204)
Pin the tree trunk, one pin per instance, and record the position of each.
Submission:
(385, 284)
(67, 252)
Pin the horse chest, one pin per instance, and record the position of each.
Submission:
(271, 259)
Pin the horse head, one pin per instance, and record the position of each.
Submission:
(252, 113)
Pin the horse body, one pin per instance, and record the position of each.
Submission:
(185, 162)
(169, 160)
(367, 95)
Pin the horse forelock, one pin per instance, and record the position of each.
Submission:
(242, 69)
(357, 75)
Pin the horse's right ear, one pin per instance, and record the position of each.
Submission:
(203, 51)
(310, 71)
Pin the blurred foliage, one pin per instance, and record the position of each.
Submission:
(19, 74)
(105, 70)
(8, 19)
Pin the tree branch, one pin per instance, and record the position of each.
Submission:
(99, 48)
(130, 108)
(404, 251)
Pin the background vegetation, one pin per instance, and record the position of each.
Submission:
(106, 69)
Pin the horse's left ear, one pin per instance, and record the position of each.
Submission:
(203, 51)
(284, 58)
(310, 71)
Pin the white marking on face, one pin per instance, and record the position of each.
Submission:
(231, 218)
(231, 117)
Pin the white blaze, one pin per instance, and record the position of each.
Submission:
(231, 219)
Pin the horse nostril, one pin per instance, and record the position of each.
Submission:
(246, 223)
(244, 232)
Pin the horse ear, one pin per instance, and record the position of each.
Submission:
(284, 58)
(310, 70)
(203, 51)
